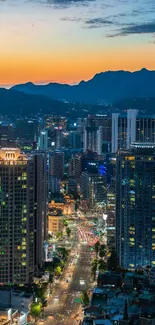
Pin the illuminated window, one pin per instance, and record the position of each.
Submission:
(24, 186)
(24, 219)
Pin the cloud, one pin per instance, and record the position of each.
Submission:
(98, 22)
(65, 3)
(146, 28)
(73, 19)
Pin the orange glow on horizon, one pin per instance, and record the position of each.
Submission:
(72, 67)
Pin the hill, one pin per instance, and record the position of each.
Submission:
(13, 102)
(103, 88)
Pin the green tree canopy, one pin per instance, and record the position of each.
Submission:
(65, 223)
(101, 265)
(35, 310)
(113, 261)
(58, 271)
(85, 298)
(102, 251)
(68, 231)
(93, 271)
(96, 248)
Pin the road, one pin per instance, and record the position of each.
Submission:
(64, 302)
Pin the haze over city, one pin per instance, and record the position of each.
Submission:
(68, 41)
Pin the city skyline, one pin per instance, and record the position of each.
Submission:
(68, 41)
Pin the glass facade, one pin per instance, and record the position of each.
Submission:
(16, 219)
(135, 206)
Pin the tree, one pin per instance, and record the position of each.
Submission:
(68, 231)
(59, 234)
(65, 223)
(96, 248)
(93, 271)
(50, 236)
(85, 298)
(58, 271)
(63, 252)
(94, 262)
(40, 290)
(35, 310)
(113, 261)
(101, 265)
(102, 251)
(51, 277)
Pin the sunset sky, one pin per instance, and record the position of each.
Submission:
(71, 40)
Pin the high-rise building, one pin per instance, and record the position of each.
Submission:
(22, 213)
(16, 217)
(135, 205)
(40, 205)
(93, 139)
(43, 140)
(93, 188)
(54, 185)
(75, 140)
(57, 164)
(131, 127)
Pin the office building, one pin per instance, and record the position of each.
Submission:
(22, 215)
(131, 127)
(57, 164)
(17, 216)
(55, 224)
(71, 187)
(40, 205)
(135, 205)
(75, 140)
(54, 185)
(43, 140)
(93, 189)
(93, 139)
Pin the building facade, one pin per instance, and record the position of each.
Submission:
(135, 205)
(131, 127)
(93, 139)
(57, 164)
(22, 215)
(16, 217)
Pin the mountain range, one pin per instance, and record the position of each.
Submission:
(103, 88)
(105, 92)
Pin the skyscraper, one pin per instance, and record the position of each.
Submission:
(40, 205)
(135, 205)
(57, 164)
(16, 217)
(131, 127)
(93, 188)
(93, 139)
(43, 140)
(22, 212)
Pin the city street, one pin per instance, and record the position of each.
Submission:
(64, 305)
